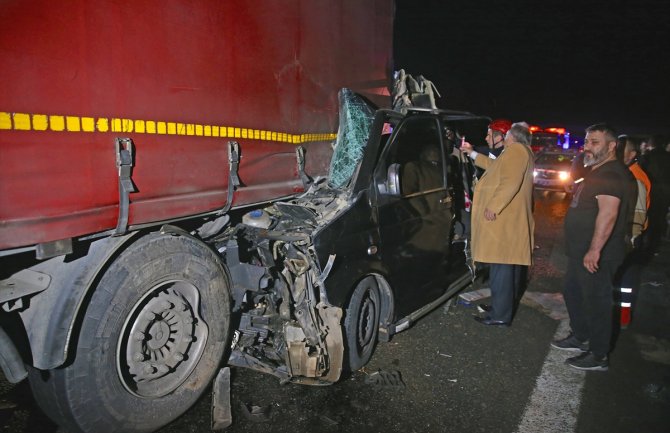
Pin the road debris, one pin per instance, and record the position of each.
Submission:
(385, 378)
(6, 404)
(466, 299)
(329, 421)
(256, 413)
(657, 391)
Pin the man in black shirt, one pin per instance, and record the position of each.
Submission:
(597, 234)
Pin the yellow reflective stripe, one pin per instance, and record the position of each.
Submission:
(87, 124)
(102, 125)
(22, 122)
(40, 122)
(66, 123)
(72, 124)
(5, 121)
(57, 123)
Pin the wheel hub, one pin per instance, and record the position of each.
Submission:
(162, 340)
(366, 324)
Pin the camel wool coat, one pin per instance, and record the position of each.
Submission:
(506, 188)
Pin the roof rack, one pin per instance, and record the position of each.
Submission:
(438, 111)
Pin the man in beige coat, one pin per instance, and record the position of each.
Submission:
(502, 221)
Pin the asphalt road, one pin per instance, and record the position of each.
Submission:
(448, 373)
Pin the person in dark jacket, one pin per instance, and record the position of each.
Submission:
(656, 163)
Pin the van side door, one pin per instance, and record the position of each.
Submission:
(415, 226)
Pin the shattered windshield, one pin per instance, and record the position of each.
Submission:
(356, 116)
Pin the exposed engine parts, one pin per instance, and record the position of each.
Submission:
(287, 327)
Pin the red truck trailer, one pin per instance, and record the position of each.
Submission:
(119, 117)
(180, 78)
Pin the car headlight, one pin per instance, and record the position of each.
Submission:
(534, 173)
(563, 175)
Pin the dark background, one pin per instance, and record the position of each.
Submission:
(551, 63)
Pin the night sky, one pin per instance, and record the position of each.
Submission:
(550, 63)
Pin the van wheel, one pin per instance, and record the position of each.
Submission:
(150, 341)
(361, 323)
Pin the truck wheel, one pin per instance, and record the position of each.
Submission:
(361, 323)
(150, 341)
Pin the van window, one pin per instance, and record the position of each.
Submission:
(417, 148)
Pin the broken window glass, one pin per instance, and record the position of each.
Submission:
(356, 117)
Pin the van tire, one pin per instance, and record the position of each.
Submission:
(150, 340)
(361, 323)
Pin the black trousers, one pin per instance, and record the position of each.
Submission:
(507, 283)
(628, 276)
(588, 298)
(657, 217)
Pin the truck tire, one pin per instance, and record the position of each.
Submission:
(361, 323)
(150, 341)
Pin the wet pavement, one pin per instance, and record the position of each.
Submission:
(448, 373)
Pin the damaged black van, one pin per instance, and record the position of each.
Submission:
(362, 254)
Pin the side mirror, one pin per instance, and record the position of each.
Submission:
(392, 185)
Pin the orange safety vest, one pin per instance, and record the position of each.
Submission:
(640, 175)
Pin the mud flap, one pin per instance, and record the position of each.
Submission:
(125, 160)
(300, 157)
(233, 176)
(222, 415)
